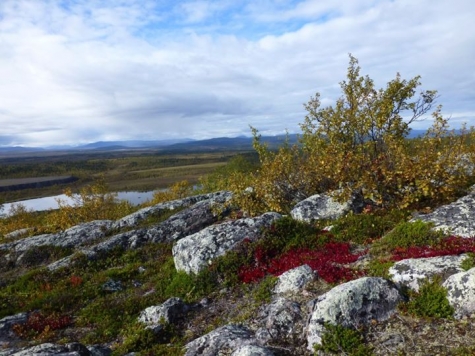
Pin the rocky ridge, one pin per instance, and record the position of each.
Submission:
(301, 304)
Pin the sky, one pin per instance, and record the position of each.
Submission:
(80, 71)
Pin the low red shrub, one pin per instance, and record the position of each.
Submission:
(75, 281)
(39, 325)
(449, 246)
(327, 261)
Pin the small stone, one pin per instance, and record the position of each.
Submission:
(112, 286)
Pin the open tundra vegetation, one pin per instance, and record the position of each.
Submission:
(134, 170)
(354, 241)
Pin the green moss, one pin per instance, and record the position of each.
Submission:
(463, 351)
(431, 301)
(108, 314)
(408, 234)
(263, 292)
(469, 262)
(286, 234)
(364, 228)
(339, 340)
(41, 255)
(379, 268)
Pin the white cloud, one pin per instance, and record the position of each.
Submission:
(158, 69)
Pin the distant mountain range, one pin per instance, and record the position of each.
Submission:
(213, 144)
(130, 144)
(219, 143)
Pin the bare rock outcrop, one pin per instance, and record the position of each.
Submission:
(181, 224)
(76, 236)
(135, 218)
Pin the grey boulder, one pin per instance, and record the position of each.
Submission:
(461, 292)
(325, 206)
(221, 341)
(352, 304)
(170, 312)
(280, 320)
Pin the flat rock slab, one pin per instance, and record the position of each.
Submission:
(185, 222)
(194, 252)
(456, 218)
(351, 305)
(135, 218)
(179, 225)
(412, 272)
(79, 235)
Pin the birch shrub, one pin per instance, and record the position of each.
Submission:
(360, 144)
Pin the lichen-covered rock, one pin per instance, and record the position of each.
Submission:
(6, 324)
(18, 233)
(324, 206)
(178, 225)
(186, 222)
(461, 292)
(281, 319)
(456, 218)
(294, 280)
(413, 272)
(171, 311)
(127, 240)
(227, 338)
(73, 349)
(352, 304)
(135, 218)
(79, 235)
(99, 350)
(194, 252)
(252, 350)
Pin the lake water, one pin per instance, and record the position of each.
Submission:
(47, 203)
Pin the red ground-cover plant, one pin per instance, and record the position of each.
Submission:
(328, 261)
(75, 281)
(39, 325)
(452, 245)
